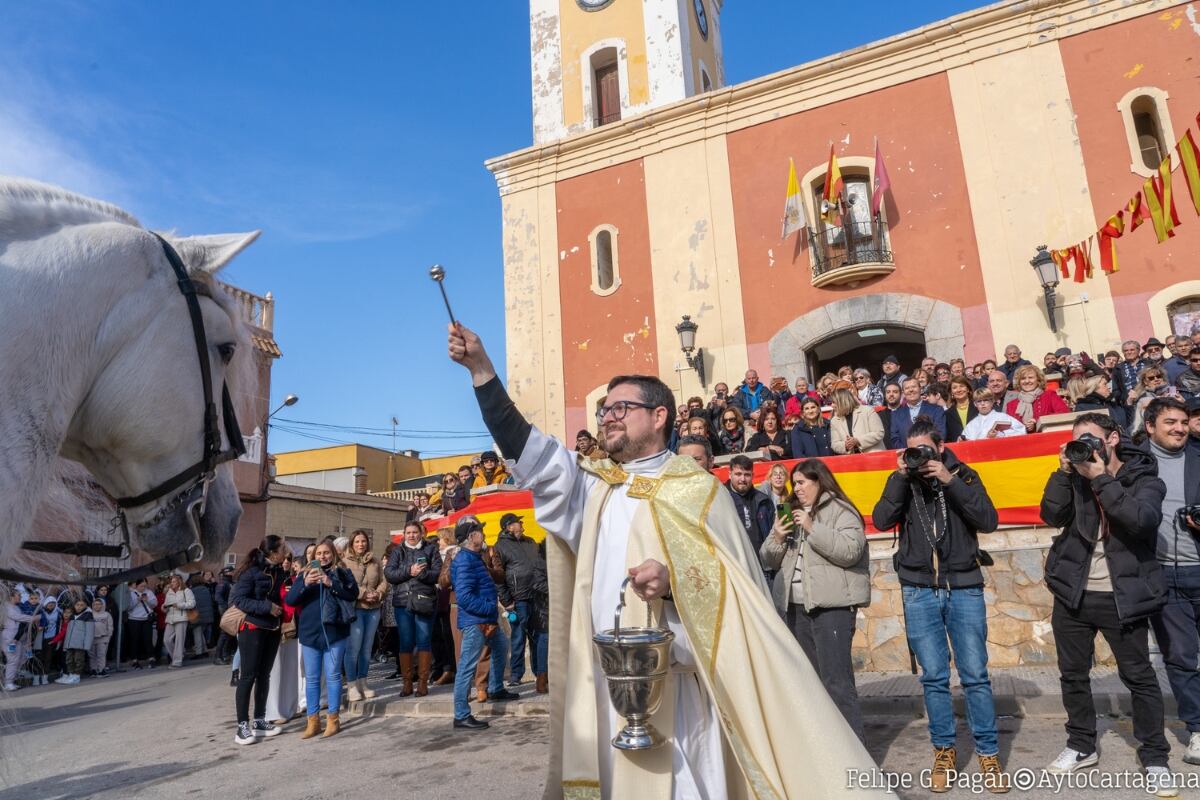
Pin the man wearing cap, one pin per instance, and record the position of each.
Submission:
(891, 373)
(739, 692)
(1181, 348)
(491, 471)
(521, 561)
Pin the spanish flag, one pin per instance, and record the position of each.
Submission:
(834, 186)
(489, 508)
(1107, 237)
(1191, 172)
(1162, 205)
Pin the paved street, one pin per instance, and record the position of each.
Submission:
(168, 734)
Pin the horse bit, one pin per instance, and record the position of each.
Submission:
(197, 477)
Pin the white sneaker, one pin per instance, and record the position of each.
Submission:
(63, 679)
(11, 687)
(244, 735)
(261, 728)
(1161, 781)
(1070, 760)
(1192, 756)
(75, 679)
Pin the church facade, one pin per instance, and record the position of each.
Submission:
(654, 190)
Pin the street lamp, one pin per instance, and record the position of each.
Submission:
(1047, 272)
(687, 342)
(290, 400)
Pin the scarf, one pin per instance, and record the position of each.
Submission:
(1025, 401)
(732, 442)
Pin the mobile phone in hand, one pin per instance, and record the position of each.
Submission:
(784, 510)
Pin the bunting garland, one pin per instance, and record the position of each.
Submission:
(1155, 203)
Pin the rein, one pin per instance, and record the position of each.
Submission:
(198, 475)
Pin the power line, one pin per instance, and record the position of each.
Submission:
(328, 440)
(387, 431)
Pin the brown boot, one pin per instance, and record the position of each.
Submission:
(313, 728)
(995, 779)
(406, 663)
(447, 677)
(424, 665)
(332, 725)
(481, 680)
(945, 761)
(543, 685)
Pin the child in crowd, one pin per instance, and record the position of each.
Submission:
(991, 422)
(50, 621)
(12, 639)
(77, 641)
(98, 656)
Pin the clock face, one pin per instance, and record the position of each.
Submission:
(592, 5)
(701, 17)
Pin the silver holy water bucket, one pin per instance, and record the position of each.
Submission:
(635, 663)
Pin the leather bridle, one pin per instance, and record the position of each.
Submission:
(195, 478)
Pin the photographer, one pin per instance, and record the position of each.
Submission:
(1175, 626)
(940, 507)
(1107, 499)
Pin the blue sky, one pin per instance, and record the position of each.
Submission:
(354, 136)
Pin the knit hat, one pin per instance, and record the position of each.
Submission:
(891, 360)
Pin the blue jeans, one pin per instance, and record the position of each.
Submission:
(1177, 629)
(329, 662)
(415, 631)
(538, 642)
(472, 647)
(362, 637)
(930, 615)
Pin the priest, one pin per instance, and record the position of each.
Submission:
(743, 711)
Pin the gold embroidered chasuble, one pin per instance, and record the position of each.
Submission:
(782, 735)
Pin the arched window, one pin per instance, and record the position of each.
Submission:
(855, 238)
(606, 270)
(1185, 316)
(1148, 128)
(705, 81)
(606, 83)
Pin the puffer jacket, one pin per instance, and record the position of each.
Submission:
(204, 604)
(474, 589)
(520, 559)
(255, 590)
(399, 570)
(315, 603)
(368, 574)
(81, 632)
(1132, 503)
(177, 604)
(834, 560)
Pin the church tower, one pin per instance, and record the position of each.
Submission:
(599, 61)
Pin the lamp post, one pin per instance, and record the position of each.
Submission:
(1047, 273)
(290, 400)
(687, 343)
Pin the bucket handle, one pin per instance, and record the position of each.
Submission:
(621, 607)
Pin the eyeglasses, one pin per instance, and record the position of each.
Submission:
(449, 481)
(619, 410)
(729, 419)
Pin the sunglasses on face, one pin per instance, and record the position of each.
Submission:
(729, 419)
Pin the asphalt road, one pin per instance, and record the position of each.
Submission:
(169, 734)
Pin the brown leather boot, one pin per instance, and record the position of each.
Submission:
(481, 680)
(543, 685)
(446, 677)
(945, 761)
(424, 665)
(332, 725)
(995, 779)
(313, 728)
(406, 663)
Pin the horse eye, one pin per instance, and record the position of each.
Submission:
(227, 351)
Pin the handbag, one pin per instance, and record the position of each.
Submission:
(422, 599)
(193, 616)
(232, 619)
(288, 629)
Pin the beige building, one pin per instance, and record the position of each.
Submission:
(304, 515)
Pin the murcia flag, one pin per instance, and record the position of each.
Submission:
(793, 210)
(882, 182)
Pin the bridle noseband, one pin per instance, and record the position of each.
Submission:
(196, 478)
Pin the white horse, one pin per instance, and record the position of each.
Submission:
(98, 363)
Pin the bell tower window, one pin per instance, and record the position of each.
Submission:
(607, 86)
(1148, 128)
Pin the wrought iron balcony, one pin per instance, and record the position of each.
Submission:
(849, 253)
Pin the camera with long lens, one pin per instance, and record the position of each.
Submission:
(1081, 450)
(919, 456)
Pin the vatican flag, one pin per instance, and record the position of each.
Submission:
(793, 211)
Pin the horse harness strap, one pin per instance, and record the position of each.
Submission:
(199, 474)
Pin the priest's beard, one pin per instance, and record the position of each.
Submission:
(621, 448)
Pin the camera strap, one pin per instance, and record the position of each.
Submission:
(928, 524)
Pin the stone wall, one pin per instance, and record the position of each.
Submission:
(1018, 606)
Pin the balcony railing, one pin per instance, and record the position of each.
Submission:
(839, 247)
(255, 310)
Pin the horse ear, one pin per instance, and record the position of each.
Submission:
(211, 253)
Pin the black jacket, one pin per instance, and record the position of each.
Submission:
(810, 441)
(399, 570)
(520, 560)
(954, 426)
(313, 627)
(1132, 503)
(969, 512)
(757, 513)
(781, 439)
(224, 589)
(255, 590)
(1094, 402)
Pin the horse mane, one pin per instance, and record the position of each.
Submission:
(28, 207)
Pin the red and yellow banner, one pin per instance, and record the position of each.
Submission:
(1014, 472)
(489, 508)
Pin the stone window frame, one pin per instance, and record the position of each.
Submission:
(614, 250)
(857, 166)
(587, 74)
(1160, 303)
(1163, 117)
(590, 403)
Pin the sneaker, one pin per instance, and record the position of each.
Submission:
(1192, 756)
(515, 682)
(1070, 760)
(244, 735)
(262, 728)
(945, 761)
(74, 679)
(63, 679)
(11, 687)
(102, 673)
(1161, 781)
(995, 779)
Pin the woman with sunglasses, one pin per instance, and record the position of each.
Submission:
(821, 560)
(732, 433)
(452, 496)
(1152, 383)
(865, 389)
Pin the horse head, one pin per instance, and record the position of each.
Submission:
(141, 420)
